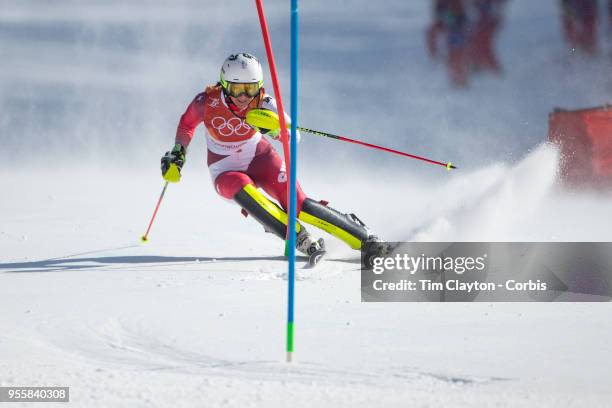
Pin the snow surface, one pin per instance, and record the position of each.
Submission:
(90, 93)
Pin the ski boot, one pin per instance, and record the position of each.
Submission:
(274, 220)
(315, 250)
(346, 227)
(373, 248)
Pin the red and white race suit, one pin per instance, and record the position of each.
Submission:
(237, 154)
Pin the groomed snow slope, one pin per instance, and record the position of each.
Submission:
(90, 95)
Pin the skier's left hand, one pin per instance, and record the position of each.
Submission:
(265, 122)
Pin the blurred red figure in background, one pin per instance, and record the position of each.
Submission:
(450, 19)
(579, 18)
(487, 21)
(435, 29)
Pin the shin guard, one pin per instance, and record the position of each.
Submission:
(346, 227)
(267, 213)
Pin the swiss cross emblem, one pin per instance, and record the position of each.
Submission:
(214, 103)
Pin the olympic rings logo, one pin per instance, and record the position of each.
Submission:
(229, 127)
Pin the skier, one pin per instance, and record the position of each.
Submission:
(241, 160)
(487, 21)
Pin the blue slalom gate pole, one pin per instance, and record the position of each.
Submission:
(292, 177)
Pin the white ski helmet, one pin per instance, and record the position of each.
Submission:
(241, 68)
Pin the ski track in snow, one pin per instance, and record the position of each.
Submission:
(116, 347)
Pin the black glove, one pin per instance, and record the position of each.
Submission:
(172, 163)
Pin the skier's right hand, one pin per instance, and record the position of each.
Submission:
(172, 163)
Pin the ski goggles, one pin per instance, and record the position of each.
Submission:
(235, 89)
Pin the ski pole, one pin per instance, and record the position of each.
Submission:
(448, 165)
(145, 238)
